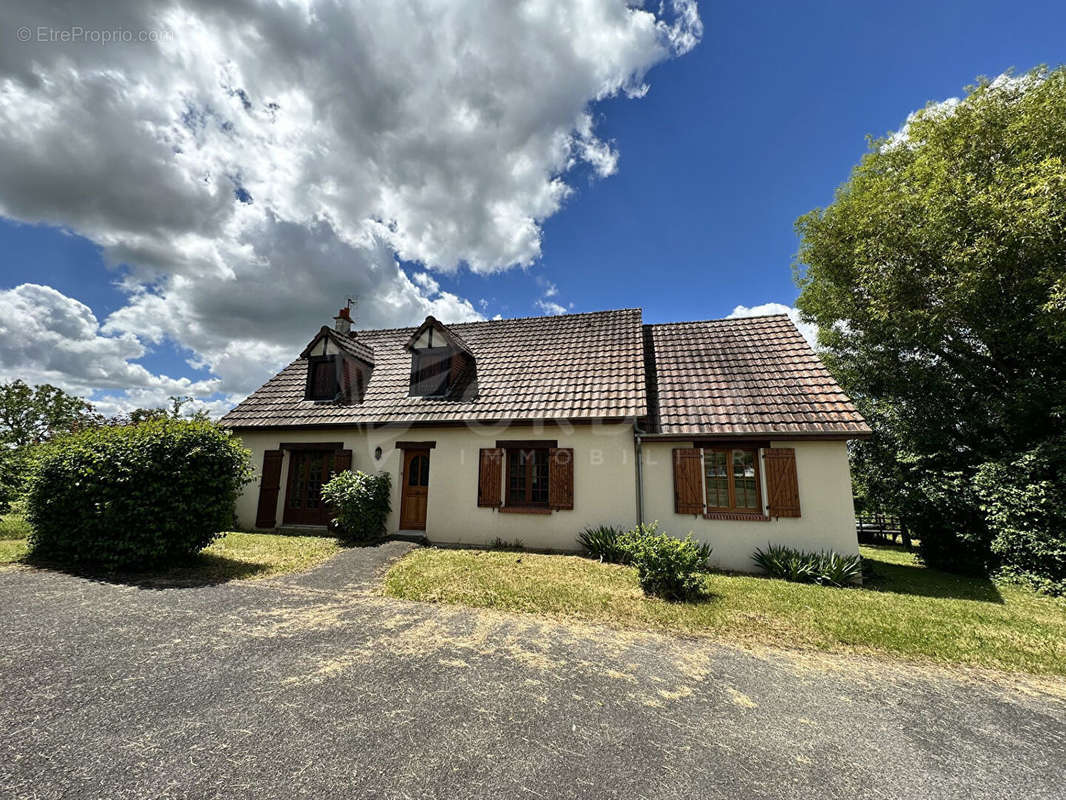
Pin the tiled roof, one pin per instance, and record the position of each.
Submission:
(574, 366)
(754, 375)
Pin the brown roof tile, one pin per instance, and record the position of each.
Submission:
(753, 375)
(574, 366)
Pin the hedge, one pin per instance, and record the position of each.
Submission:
(135, 496)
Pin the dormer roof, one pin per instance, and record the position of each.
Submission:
(345, 343)
(434, 333)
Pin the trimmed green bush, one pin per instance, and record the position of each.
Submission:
(826, 568)
(603, 542)
(667, 567)
(361, 501)
(135, 496)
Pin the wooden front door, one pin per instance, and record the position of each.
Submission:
(415, 490)
(308, 470)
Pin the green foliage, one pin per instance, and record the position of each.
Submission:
(670, 568)
(603, 542)
(937, 278)
(826, 568)
(1024, 500)
(35, 414)
(12, 475)
(134, 497)
(361, 502)
(14, 526)
(944, 512)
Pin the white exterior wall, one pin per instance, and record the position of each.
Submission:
(604, 479)
(827, 520)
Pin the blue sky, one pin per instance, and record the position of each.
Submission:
(735, 139)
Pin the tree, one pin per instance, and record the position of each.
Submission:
(29, 415)
(937, 278)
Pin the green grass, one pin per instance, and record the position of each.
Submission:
(908, 611)
(233, 556)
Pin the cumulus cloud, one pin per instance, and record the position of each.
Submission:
(808, 329)
(47, 337)
(250, 165)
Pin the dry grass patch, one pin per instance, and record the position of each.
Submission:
(908, 611)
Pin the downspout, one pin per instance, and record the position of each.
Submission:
(638, 450)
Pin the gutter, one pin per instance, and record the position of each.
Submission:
(638, 450)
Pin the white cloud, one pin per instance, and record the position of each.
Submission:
(549, 307)
(47, 337)
(808, 329)
(263, 161)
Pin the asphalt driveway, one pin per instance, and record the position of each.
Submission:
(314, 686)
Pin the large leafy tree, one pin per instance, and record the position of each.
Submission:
(29, 415)
(937, 278)
(32, 414)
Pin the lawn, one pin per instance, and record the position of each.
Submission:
(908, 611)
(231, 557)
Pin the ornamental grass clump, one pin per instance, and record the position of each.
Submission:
(604, 542)
(825, 568)
(361, 502)
(134, 497)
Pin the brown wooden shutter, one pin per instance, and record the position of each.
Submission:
(266, 513)
(688, 481)
(561, 477)
(490, 477)
(782, 485)
(342, 460)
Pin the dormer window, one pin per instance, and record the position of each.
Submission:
(431, 372)
(441, 362)
(338, 365)
(322, 379)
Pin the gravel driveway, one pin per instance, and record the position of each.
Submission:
(315, 686)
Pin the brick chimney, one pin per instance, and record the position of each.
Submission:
(342, 323)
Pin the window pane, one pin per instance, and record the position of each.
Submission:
(716, 474)
(540, 476)
(322, 381)
(516, 472)
(744, 479)
(314, 479)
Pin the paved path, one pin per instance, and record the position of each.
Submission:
(313, 686)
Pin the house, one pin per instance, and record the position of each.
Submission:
(532, 429)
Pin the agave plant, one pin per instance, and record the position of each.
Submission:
(826, 568)
(602, 542)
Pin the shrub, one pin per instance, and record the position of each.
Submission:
(603, 542)
(134, 496)
(944, 513)
(361, 501)
(826, 568)
(1024, 501)
(666, 567)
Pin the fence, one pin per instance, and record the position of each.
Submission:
(881, 528)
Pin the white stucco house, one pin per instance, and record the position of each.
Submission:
(532, 429)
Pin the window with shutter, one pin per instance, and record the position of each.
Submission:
(561, 478)
(490, 471)
(688, 483)
(782, 483)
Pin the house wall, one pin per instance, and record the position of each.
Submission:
(604, 478)
(827, 520)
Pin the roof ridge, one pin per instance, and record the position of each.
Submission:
(716, 319)
(504, 319)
